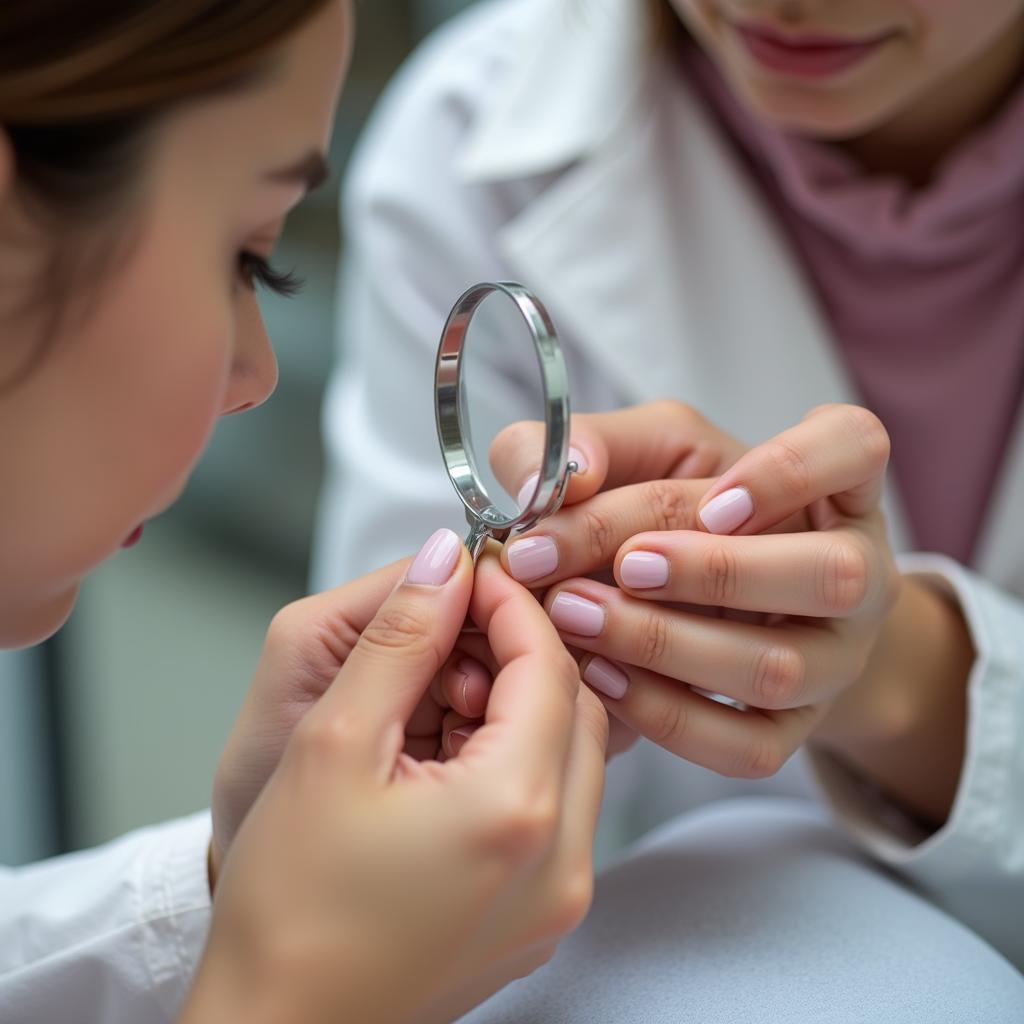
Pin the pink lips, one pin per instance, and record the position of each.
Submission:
(133, 538)
(806, 56)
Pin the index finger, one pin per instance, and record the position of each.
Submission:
(532, 706)
(838, 452)
(656, 441)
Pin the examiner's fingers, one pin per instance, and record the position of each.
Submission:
(821, 575)
(750, 744)
(660, 440)
(585, 538)
(838, 452)
(773, 667)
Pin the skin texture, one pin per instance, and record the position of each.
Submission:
(943, 66)
(112, 421)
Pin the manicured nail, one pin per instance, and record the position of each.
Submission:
(526, 491)
(457, 740)
(577, 615)
(437, 559)
(602, 675)
(728, 511)
(532, 558)
(575, 455)
(644, 570)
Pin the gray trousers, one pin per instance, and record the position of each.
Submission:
(760, 910)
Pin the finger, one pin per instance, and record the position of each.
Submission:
(773, 667)
(584, 788)
(584, 539)
(531, 710)
(660, 440)
(820, 575)
(838, 452)
(465, 685)
(516, 455)
(398, 653)
(456, 730)
(750, 744)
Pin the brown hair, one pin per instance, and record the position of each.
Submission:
(82, 82)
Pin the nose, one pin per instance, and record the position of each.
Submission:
(254, 368)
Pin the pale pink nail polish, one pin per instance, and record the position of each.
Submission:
(644, 570)
(602, 675)
(434, 565)
(574, 614)
(457, 740)
(729, 511)
(575, 455)
(532, 558)
(526, 491)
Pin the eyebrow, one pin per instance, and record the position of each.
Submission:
(311, 171)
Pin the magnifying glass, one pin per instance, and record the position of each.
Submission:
(498, 313)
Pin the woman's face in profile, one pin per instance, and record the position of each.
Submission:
(838, 69)
(113, 418)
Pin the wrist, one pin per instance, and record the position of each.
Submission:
(902, 724)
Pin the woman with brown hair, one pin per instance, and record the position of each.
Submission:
(149, 154)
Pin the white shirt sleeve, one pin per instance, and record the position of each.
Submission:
(973, 866)
(109, 935)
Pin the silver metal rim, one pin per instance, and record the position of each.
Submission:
(454, 433)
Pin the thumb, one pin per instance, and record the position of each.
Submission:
(400, 651)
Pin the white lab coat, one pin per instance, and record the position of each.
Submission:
(543, 141)
(106, 936)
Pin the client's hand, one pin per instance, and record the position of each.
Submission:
(358, 864)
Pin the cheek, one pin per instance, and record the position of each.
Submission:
(952, 31)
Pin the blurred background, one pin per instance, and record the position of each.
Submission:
(119, 722)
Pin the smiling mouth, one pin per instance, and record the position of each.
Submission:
(807, 55)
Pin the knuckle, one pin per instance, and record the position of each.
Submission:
(667, 725)
(599, 535)
(399, 628)
(871, 435)
(523, 824)
(571, 902)
(841, 577)
(652, 638)
(672, 508)
(285, 623)
(684, 416)
(760, 759)
(779, 676)
(790, 468)
(320, 738)
(719, 575)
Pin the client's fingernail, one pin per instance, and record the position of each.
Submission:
(532, 558)
(575, 455)
(728, 511)
(436, 561)
(526, 491)
(577, 615)
(602, 675)
(644, 570)
(457, 740)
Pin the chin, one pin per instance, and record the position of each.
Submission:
(31, 625)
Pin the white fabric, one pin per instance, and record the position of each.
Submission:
(109, 935)
(544, 141)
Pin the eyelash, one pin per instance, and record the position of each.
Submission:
(255, 270)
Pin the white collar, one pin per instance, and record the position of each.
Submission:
(583, 64)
